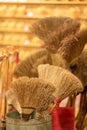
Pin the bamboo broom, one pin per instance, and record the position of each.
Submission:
(33, 94)
(64, 81)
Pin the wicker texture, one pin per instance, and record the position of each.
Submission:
(65, 82)
(28, 67)
(33, 92)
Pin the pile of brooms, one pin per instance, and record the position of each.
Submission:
(63, 43)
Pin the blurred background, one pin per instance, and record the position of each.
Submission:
(16, 16)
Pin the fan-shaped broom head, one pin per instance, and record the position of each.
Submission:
(33, 93)
(45, 26)
(28, 67)
(53, 40)
(72, 45)
(64, 81)
(12, 99)
(53, 29)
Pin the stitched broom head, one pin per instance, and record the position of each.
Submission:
(64, 81)
(12, 99)
(28, 67)
(79, 67)
(34, 93)
(72, 45)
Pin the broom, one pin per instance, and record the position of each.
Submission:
(28, 67)
(64, 81)
(53, 29)
(33, 94)
(45, 26)
(72, 45)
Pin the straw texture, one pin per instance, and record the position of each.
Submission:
(53, 40)
(72, 45)
(28, 67)
(57, 60)
(65, 82)
(33, 92)
(45, 26)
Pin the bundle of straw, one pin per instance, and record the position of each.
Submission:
(72, 45)
(33, 94)
(64, 81)
(28, 67)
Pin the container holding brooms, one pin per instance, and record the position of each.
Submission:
(35, 95)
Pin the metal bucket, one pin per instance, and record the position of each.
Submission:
(14, 123)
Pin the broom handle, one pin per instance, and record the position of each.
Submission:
(52, 106)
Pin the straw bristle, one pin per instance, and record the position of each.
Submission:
(57, 60)
(28, 67)
(53, 40)
(65, 82)
(33, 92)
(73, 45)
(79, 67)
(45, 26)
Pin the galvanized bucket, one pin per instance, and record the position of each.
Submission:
(14, 123)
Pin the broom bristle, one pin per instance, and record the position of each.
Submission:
(33, 92)
(53, 40)
(73, 45)
(64, 81)
(28, 67)
(45, 26)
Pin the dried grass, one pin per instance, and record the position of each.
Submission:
(33, 92)
(65, 82)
